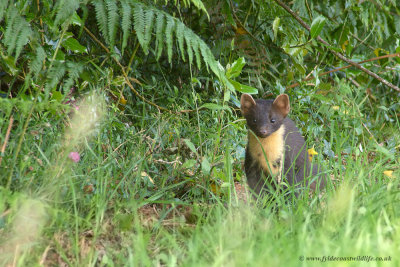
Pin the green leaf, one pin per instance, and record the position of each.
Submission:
(236, 68)
(321, 97)
(243, 88)
(275, 26)
(205, 166)
(213, 106)
(76, 20)
(384, 151)
(73, 45)
(56, 95)
(227, 95)
(397, 23)
(225, 185)
(189, 163)
(60, 55)
(125, 221)
(299, 68)
(316, 26)
(9, 64)
(190, 145)
(248, 89)
(341, 34)
(227, 83)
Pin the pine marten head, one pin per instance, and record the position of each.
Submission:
(264, 117)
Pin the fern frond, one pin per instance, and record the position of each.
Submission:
(138, 17)
(195, 47)
(36, 64)
(186, 3)
(23, 37)
(149, 22)
(189, 50)
(169, 31)
(12, 16)
(126, 23)
(206, 53)
(112, 19)
(55, 74)
(200, 5)
(101, 16)
(17, 32)
(3, 7)
(65, 9)
(159, 34)
(180, 31)
(74, 69)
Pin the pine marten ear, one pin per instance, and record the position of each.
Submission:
(246, 103)
(282, 105)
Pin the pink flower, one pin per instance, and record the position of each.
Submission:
(74, 156)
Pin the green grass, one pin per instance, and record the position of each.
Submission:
(158, 189)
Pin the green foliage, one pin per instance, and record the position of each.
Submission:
(125, 22)
(316, 26)
(36, 63)
(64, 10)
(17, 32)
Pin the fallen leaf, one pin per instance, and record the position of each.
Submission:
(144, 174)
(240, 31)
(345, 44)
(88, 189)
(122, 100)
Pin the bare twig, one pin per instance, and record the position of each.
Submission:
(363, 42)
(339, 55)
(308, 78)
(356, 84)
(3, 148)
(44, 256)
(373, 137)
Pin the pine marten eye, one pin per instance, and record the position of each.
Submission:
(272, 120)
(254, 120)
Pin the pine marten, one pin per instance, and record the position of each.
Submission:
(275, 146)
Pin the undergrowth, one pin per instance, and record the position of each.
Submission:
(168, 189)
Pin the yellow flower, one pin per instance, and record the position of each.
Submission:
(311, 153)
(388, 173)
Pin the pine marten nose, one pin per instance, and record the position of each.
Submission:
(263, 131)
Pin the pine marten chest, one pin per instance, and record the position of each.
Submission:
(268, 152)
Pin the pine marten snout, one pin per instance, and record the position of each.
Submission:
(275, 146)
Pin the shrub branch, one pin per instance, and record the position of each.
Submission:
(342, 68)
(3, 148)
